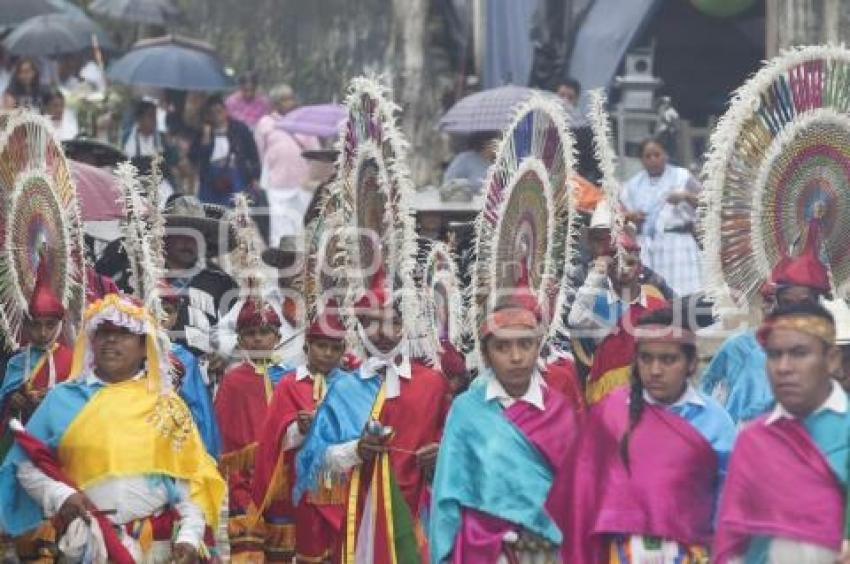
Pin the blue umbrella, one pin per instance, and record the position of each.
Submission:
(55, 34)
(171, 62)
(14, 12)
(154, 12)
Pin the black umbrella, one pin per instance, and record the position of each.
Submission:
(55, 34)
(13, 12)
(171, 62)
(155, 12)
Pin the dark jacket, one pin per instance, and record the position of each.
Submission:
(243, 156)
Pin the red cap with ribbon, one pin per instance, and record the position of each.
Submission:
(257, 314)
(377, 295)
(327, 324)
(805, 270)
(44, 302)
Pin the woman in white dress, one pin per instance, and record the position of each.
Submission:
(661, 201)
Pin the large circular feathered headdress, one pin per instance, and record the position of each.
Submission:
(377, 230)
(779, 154)
(606, 158)
(318, 283)
(526, 231)
(143, 227)
(443, 293)
(39, 212)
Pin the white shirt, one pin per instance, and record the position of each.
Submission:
(837, 402)
(342, 457)
(584, 321)
(293, 437)
(131, 497)
(690, 395)
(394, 369)
(533, 395)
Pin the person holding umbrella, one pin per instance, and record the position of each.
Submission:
(225, 154)
(24, 89)
(284, 168)
(472, 165)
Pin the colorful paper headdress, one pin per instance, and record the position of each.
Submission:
(255, 310)
(327, 324)
(443, 294)
(143, 228)
(780, 153)
(527, 228)
(373, 187)
(319, 282)
(132, 315)
(39, 210)
(600, 124)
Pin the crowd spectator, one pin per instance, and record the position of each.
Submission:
(280, 151)
(569, 90)
(472, 165)
(225, 154)
(246, 104)
(63, 118)
(24, 89)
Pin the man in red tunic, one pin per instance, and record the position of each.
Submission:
(381, 426)
(316, 517)
(240, 409)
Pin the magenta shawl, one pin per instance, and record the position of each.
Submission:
(779, 485)
(669, 492)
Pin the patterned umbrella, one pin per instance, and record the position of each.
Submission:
(493, 110)
(155, 12)
(171, 62)
(98, 192)
(55, 34)
(321, 120)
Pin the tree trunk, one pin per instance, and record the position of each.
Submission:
(806, 22)
(319, 45)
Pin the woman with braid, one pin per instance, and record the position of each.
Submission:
(653, 458)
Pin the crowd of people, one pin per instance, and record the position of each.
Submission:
(209, 417)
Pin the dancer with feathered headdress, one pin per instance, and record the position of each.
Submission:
(41, 273)
(617, 290)
(381, 425)
(776, 193)
(509, 441)
(243, 397)
(114, 451)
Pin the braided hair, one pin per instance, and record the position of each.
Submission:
(665, 317)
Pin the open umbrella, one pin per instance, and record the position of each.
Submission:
(171, 62)
(13, 12)
(54, 34)
(321, 120)
(98, 192)
(93, 151)
(153, 12)
(493, 110)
